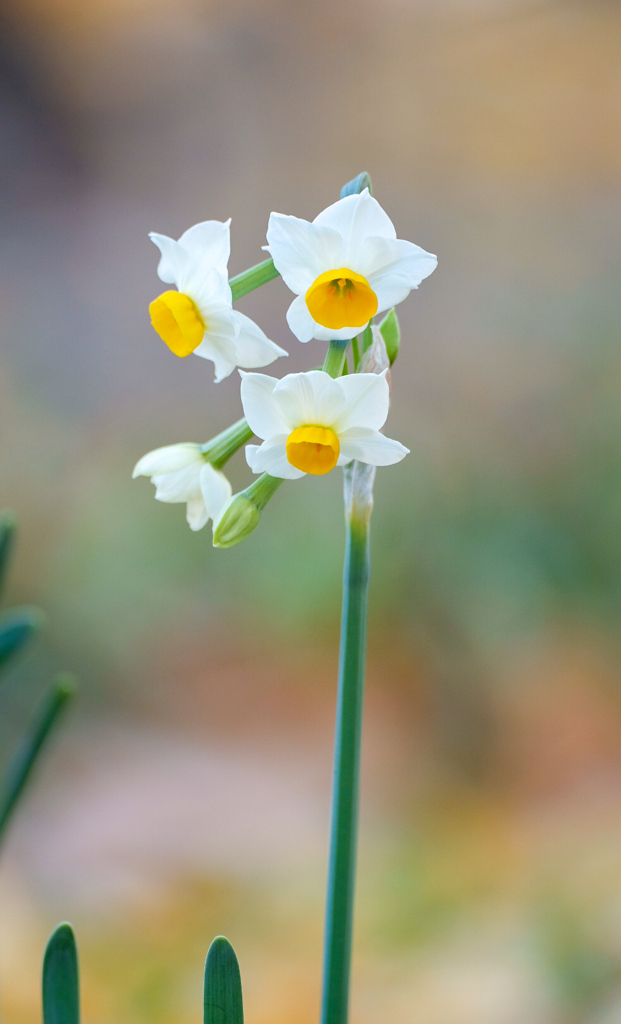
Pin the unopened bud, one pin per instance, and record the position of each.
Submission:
(241, 515)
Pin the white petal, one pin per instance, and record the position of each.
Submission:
(370, 446)
(271, 457)
(196, 513)
(252, 346)
(301, 322)
(325, 334)
(305, 328)
(216, 491)
(168, 459)
(181, 485)
(312, 397)
(221, 350)
(393, 267)
(209, 243)
(251, 451)
(209, 289)
(222, 323)
(301, 251)
(262, 411)
(356, 218)
(174, 262)
(367, 398)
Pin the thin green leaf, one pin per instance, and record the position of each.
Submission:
(223, 991)
(366, 339)
(357, 184)
(391, 333)
(44, 720)
(355, 351)
(7, 540)
(17, 627)
(61, 989)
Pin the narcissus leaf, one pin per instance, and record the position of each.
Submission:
(391, 333)
(223, 991)
(61, 994)
(17, 627)
(7, 536)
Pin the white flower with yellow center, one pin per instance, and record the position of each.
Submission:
(345, 267)
(180, 473)
(311, 422)
(199, 316)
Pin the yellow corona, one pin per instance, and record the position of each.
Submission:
(178, 322)
(340, 298)
(314, 450)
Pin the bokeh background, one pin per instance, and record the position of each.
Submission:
(188, 794)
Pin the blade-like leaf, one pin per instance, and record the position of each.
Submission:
(366, 339)
(7, 537)
(223, 991)
(61, 989)
(17, 627)
(357, 184)
(43, 721)
(391, 333)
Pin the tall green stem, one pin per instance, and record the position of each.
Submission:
(344, 827)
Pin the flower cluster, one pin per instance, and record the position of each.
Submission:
(345, 267)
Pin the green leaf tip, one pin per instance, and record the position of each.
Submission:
(357, 184)
(65, 684)
(7, 538)
(223, 992)
(61, 990)
(17, 627)
(391, 333)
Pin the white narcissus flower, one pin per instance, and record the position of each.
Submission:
(199, 317)
(180, 473)
(311, 422)
(345, 267)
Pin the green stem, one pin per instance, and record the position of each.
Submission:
(335, 358)
(342, 867)
(221, 447)
(45, 718)
(253, 278)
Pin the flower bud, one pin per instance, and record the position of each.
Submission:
(240, 517)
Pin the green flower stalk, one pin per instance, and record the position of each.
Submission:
(358, 487)
(252, 278)
(221, 448)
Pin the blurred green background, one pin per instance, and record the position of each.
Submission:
(490, 857)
